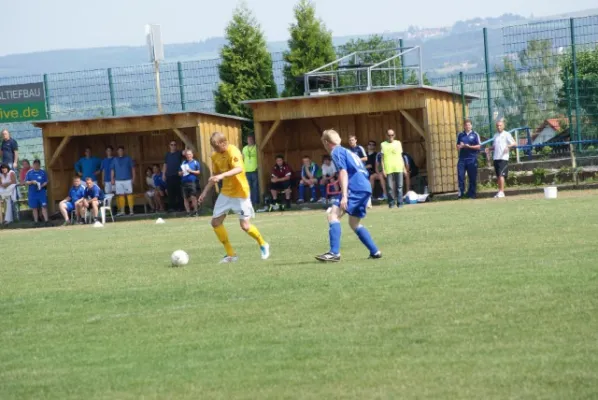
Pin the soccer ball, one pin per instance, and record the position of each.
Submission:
(179, 258)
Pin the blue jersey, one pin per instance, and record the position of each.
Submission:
(94, 193)
(159, 182)
(359, 181)
(193, 165)
(38, 176)
(472, 139)
(122, 167)
(107, 168)
(359, 151)
(76, 193)
(87, 167)
(313, 170)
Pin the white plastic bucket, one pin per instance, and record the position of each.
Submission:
(550, 192)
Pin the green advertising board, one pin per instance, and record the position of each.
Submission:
(20, 103)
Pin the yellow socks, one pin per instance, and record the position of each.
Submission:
(223, 237)
(131, 201)
(254, 233)
(120, 203)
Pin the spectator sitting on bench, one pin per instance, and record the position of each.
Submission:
(375, 169)
(73, 201)
(309, 178)
(150, 194)
(8, 190)
(329, 176)
(160, 185)
(411, 171)
(281, 181)
(92, 199)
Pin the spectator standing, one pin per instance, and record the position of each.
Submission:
(309, 178)
(10, 150)
(170, 175)
(357, 149)
(25, 167)
(411, 170)
(250, 160)
(88, 166)
(281, 181)
(190, 171)
(72, 202)
(392, 168)
(37, 180)
(91, 199)
(373, 166)
(107, 170)
(160, 186)
(468, 144)
(123, 176)
(503, 142)
(8, 190)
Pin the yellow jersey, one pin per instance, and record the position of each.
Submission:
(232, 186)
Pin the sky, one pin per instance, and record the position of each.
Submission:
(39, 25)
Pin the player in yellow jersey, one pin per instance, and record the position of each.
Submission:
(227, 163)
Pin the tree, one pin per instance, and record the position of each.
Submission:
(528, 86)
(310, 47)
(587, 86)
(246, 67)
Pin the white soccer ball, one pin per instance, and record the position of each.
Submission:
(179, 258)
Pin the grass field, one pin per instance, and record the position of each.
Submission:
(473, 300)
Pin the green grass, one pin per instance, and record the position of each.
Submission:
(473, 300)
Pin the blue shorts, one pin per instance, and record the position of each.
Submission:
(357, 203)
(70, 206)
(38, 200)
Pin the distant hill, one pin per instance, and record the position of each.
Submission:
(445, 49)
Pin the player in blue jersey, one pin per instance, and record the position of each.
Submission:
(72, 202)
(355, 195)
(92, 198)
(37, 180)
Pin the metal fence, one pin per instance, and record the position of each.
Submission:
(530, 73)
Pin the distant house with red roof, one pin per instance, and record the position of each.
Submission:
(546, 131)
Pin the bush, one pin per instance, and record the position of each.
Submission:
(539, 176)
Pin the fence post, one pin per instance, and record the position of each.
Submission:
(462, 95)
(488, 88)
(47, 95)
(402, 62)
(575, 85)
(111, 86)
(181, 86)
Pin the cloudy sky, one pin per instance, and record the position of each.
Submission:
(60, 24)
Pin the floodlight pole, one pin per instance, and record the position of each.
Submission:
(158, 91)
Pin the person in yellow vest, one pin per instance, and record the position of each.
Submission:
(250, 161)
(392, 169)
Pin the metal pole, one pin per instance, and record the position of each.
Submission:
(47, 94)
(111, 86)
(517, 148)
(181, 86)
(421, 67)
(402, 61)
(158, 91)
(568, 97)
(462, 95)
(488, 88)
(575, 85)
(305, 84)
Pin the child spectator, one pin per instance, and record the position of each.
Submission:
(160, 188)
(329, 176)
(25, 167)
(37, 180)
(281, 181)
(150, 194)
(189, 171)
(309, 178)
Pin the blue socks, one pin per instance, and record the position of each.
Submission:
(335, 237)
(301, 191)
(364, 235)
(323, 191)
(313, 192)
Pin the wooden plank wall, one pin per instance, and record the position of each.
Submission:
(145, 149)
(297, 138)
(443, 120)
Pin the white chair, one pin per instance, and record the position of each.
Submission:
(107, 207)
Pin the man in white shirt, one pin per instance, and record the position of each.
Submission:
(503, 142)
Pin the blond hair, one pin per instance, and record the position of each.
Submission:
(331, 136)
(217, 138)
